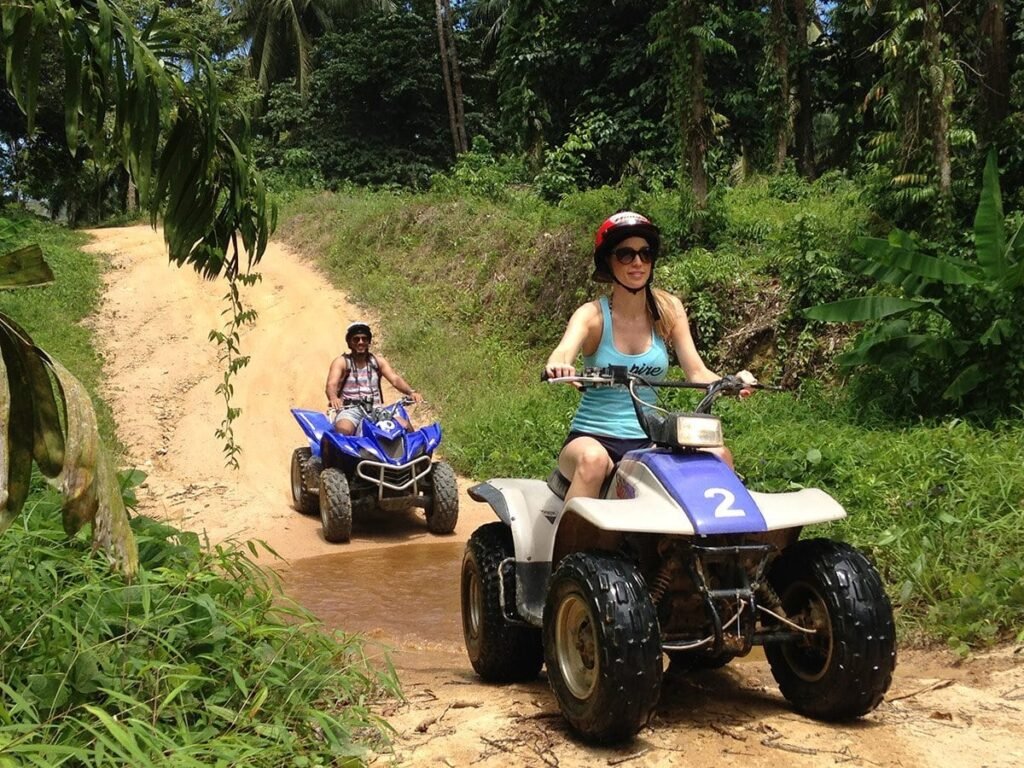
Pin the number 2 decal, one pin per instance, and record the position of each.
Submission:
(725, 507)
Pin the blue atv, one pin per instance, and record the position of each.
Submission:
(383, 465)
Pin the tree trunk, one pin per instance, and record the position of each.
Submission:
(696, 139)
(446, 75)
(805, 95)
(941, 97)
(995, 87)
(780, 57)
(460, 115)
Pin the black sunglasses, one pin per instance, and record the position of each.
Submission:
(360, 337)
(625, 254)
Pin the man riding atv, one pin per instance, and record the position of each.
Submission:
(353, 381)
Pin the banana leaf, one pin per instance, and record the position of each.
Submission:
(24, 267)
(969, 379)
(883, 348)
(88, 482)
(864, 308)
(896, 259)
(35, 387)
(15, 435)
(989, 231)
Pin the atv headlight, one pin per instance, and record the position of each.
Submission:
(698, 431)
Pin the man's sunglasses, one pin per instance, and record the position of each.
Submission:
(626, 255)
(360, 338)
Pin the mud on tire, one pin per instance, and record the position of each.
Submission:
(443, 512)
(335, 506)
(845, 670)
(602, 646)
(499, 651)
(305, 480)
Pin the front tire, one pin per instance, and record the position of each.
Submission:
(844, 670)
(602, 646)
(443, 513)
(335, 506)
(499, 651)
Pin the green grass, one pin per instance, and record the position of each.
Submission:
(473, 295)
(53, 314)
(200, 662)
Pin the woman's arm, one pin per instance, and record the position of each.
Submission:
(584, 326)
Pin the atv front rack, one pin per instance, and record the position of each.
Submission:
(394, 477)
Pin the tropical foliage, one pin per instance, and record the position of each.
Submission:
(68, 450)
(956, 321)
(200, 662)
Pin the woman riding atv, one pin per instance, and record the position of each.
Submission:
(629, 328)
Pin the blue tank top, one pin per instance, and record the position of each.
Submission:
(609, 410)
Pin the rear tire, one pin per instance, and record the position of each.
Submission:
(335, 506)
(499, 651)
(602, 646)
(843, 671)
(305, 480)
(443, 513)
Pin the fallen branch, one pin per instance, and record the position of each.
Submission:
(774, 743)
(627, 758)
(726, 732)
(933, 687)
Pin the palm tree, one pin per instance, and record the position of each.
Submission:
(280, 34)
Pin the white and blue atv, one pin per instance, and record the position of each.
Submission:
(678, 557)
(383, 465)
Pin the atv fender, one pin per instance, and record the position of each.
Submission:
(314, 424)
(794, 509)
(531, 510)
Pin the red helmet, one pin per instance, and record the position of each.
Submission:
(614, 230)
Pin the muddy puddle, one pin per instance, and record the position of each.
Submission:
(403, 594)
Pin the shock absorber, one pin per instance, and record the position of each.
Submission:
(661, 582)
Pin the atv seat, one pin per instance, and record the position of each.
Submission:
(558, 483)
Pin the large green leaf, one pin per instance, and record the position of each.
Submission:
(89, 484)
(24, 267)
(47, 435)
(969, 379)
(864, 308)
(15, 433)
(898, 259)
(125, 97)
(989, 232)
(888, 347)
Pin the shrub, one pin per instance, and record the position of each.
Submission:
(199, 662)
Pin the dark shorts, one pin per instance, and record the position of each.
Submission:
(617, 447)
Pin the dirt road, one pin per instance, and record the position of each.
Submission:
(161, 377)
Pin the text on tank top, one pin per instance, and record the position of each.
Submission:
(609, 410)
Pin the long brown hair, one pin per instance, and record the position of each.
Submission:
(669, 316)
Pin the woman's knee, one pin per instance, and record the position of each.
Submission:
(593, 464)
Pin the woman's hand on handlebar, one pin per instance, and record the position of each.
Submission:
(560, 370)
(747, 377)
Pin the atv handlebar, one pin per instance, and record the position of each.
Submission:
(619, 376)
